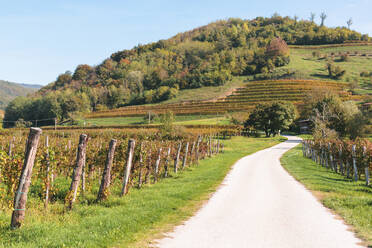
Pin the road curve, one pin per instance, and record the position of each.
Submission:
(260, 205)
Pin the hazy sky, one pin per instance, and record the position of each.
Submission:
(41, 39)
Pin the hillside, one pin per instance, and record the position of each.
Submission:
(9, 90)
(182, 68)
(242, 99)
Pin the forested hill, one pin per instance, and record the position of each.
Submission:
(8, 91)
(209, 55)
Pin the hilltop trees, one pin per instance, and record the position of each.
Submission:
(323, 16)
(349, 23)
(312, 17)
(272, 118)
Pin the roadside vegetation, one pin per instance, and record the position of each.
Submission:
(351, 200)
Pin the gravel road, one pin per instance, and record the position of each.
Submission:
(260, 205)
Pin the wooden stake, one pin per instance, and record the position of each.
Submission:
(130, 152)
(192, 152)
(106, 176)
(140, 167)
(177, 159)
(185, 155)
(20, 198)
(167, 163)
(157, 163)
(354, 164)
(76, 175)
(47, 173)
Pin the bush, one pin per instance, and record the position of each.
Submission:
(366, 74)
(345, 57)
(335, 72)
(316, 54)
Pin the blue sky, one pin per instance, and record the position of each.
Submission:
(41, 39)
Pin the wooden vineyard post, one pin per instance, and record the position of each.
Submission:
(192, 152)
(354, 164)
(326, 158)
(210, 147)
(106, 177)
(10, 148)
(197, 150)
(166, 165)
(131, 144)
(140, 167)
(331, 158)
(76, 175)
(185, 155)
(20, 198)
(148, 167)
(47, 172)
(157, 163)
(177, 159)
(341, 165)
(366, 170)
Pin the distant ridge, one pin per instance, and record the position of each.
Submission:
(10, 90)
(32, 86)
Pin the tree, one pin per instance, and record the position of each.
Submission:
(295, 19)
(332, 117)
(312, 17)
(334, 71)
(323, 16)
(167, 127)
(272, 118)
(349, 23)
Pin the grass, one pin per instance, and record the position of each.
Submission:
(179, 120)
(351, 200)
(207, 93)
(132, 221)
(313, 68)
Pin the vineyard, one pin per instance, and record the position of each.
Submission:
(352, 159)
(65, 167)
(242, 99)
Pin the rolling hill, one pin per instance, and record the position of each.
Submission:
(9, 90)
(206, 63)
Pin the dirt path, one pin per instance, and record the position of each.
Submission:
(261, 205)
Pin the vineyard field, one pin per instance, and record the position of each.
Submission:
(160, 204)
(242, 99)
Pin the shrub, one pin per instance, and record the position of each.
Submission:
(345, 57)
(365, 74)
(316, 54)
(335, 72)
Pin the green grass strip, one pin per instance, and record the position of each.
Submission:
(137, 218)
(351, 200)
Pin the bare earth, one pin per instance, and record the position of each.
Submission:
(261, 205)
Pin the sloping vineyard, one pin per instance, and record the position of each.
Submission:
(242, 99)
(69, 166)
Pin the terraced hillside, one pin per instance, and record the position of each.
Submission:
(242, 99)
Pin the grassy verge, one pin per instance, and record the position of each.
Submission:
(179, 119)
(351, 200)
(134, 220)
